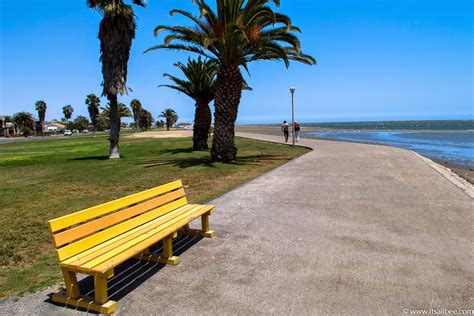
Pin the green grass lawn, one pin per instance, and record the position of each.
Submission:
(45, 179)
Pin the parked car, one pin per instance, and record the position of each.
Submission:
(67, 133)
(85, 131)
(75, 131)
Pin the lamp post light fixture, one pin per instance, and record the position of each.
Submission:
(292, 90)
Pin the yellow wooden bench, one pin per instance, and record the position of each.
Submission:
(96, 240)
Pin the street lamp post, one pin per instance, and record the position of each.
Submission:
(292, 90)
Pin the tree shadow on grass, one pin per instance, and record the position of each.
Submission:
(187, 162)
(183, 162)
(131, 274)
(176, 151)
(90, 158)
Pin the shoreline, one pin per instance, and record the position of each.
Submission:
(348, 126)
(465, 173)
(450, 174)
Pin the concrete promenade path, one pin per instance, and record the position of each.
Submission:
(348, 229)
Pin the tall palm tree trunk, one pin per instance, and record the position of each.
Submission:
(42, 115)
(228, 93)
(114, 127)
(202, 124)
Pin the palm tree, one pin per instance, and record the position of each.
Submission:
(102, 122)
(24, 122)
(67, 111)
(160, 123)
(122, 111)
(137, 109)
(170, 116)
(41, 108)
(200, 86)
(116, 32)
(239, 32)
(146, 119)
(93, 104)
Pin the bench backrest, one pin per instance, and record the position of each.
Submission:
(79, 231)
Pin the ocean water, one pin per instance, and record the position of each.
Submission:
(426, 125)
(452, 147)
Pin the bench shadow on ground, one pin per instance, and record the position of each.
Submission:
(131, 274)
(187, 162)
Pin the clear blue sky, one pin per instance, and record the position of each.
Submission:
(377, 59)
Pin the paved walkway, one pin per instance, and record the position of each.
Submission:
(346, 229)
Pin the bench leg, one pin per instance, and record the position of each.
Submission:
(71, 297)
(204, 232)
(167, 256)
(72, 288)
(100, 289)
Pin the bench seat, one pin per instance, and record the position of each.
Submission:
(115, 251)
(96, 240)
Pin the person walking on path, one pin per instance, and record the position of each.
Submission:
(285, 127)
(297, 131)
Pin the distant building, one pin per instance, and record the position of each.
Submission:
(53, 127)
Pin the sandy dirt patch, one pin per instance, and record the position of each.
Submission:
(162, 134)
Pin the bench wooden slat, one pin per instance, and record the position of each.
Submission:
(96, 211)
(109, 256)
(153, 237)
(98, 250)
(93, 226)
(106, 234)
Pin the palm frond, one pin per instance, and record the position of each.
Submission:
(235, 33)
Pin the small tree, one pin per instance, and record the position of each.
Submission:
(170, 116)
(24, 122)
(67, 111)
(146, 120)
(93, 104)
(81, 123)
(160, 123)
(25, 131)
(137, 111)
(41, 108)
